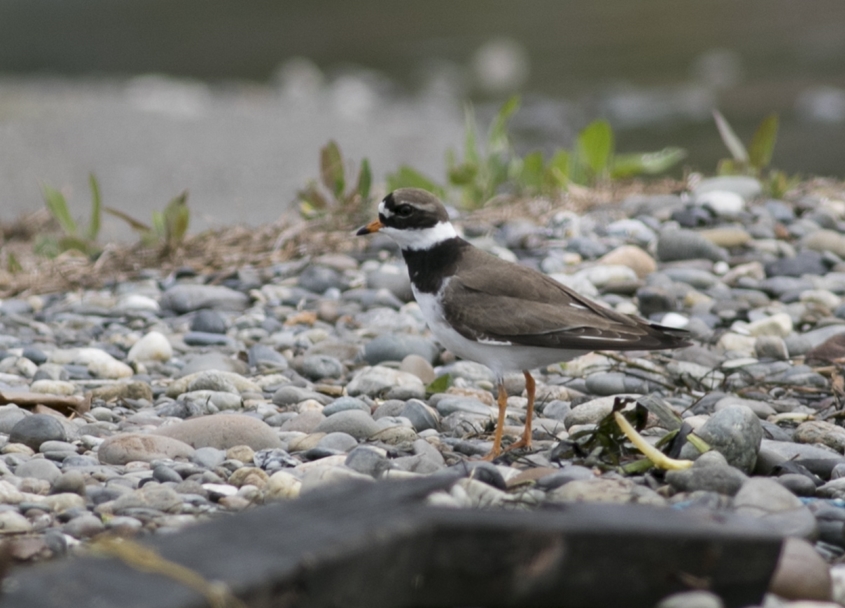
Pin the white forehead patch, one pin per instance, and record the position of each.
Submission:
(383, 210)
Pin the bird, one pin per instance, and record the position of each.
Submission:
(504, 315)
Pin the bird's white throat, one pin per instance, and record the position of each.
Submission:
(421, 238)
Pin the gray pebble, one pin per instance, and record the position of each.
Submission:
(345, 403)
(395, 347)
(39, 468)
(735, 432)
(356, 423)
(36, 429)
(317, 367)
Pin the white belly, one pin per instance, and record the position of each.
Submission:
(498, 356)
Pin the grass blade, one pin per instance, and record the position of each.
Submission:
(331, 169)
(730, 139)
(365, 180)
(763, 142)
(497, 139)
(136, 225)
(176, 219)
(96, 208)
(57, 205)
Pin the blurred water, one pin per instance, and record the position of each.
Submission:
(242, 125)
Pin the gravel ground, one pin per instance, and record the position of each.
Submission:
(165, 400)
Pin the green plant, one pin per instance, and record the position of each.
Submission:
(756, 158)
(72, 238)
(486, 170)
(330, 195)
(168, 228)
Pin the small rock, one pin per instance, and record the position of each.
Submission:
(12, 522)
(818, 431)
(825, 240)
(209, 321)
(801, 573)
(129, 447)
(773, 504)
(223, 431)
(39, 468)
(676, 245)
(777, 325)
(356, 423)
(735, 432)
(84, 526)
(631, 256)
(378, 380)
(606, 490)
(771, 347)
(710, 473)
(395, 347)
(418, 366)
(282, 486)
(185, 298)
(34, 430)
(317, 367)
(152, 347)
(150, 496)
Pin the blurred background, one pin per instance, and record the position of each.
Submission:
(232, 100)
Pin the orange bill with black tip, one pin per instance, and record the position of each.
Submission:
(373, 226)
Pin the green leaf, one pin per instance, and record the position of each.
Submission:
(159, 225)
(331, 169)
(96, 212)
(763, 142)
(12, 263)
(729, 166)
(365, 180)
(557, 171)
(471, 154)
(651, 163)
(408, 177)
(497, 139)
(730, 139)
(78, 244)
(463, 174)
(439, 384)
(57, 205)
(595, 146)
(176, 219)
(312, 195)
(533, 171)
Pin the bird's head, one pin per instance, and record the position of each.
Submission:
(414, 218)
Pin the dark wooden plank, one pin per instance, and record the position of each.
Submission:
(378, 545)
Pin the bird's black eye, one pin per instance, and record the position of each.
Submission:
(404, 210)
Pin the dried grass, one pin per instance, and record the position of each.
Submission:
(220, 253)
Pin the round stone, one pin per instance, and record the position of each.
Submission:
(34, 430)
(209, 321)
(675, 245)
(395, 347)
(152, 347)
(356, 423)
(317, 367)
(223, 431)
(39, 468)
(129, 447)
(735, 432)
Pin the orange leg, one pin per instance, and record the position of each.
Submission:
(525, 441)
(502, 400)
